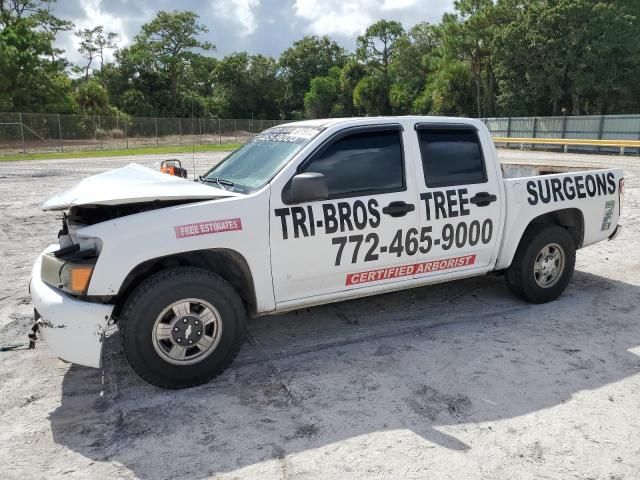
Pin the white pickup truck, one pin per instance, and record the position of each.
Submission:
(304, 214)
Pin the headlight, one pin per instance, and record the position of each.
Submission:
(69, 269)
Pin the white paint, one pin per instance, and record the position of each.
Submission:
(71, 329)
(131, 184)
(295, 272)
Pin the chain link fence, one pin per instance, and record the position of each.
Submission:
(37, 132)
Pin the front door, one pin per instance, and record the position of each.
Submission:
(350, 240)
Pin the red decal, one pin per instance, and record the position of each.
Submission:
(206, 228)
(408, 270)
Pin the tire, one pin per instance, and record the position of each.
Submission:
(545, 280)
(155, 311)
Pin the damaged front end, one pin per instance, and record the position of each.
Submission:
(72, 328)
(70, 320)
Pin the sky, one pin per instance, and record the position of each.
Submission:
(256, 26)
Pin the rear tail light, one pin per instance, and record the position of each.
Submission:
(620, 195)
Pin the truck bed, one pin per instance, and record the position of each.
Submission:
(591, 196)
(520, 170)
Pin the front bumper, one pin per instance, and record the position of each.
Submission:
(72, 329)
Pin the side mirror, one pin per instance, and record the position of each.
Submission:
(307, 187)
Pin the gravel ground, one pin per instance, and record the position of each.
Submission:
(449, 381)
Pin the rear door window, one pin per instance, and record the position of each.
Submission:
(451, 156)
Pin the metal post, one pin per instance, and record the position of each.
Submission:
(508, 127)
(235, 130)
(24, 149)
(600, 130)
(100, 128)
(601, 127)
(117, 134)
(564, 126)
(219, 131)
(126, 135)
(156, 120)
(535, 131)
(180, 130)
(60, 134)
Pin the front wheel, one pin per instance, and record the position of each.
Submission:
(543, 264)
(182, 327)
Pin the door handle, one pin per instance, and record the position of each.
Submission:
(398, 209)
(482, 199)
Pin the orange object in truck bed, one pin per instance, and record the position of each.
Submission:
(173, 167)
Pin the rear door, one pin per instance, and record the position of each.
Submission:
(460, 208)
(346, 242)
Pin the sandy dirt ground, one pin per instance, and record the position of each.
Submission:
(450, 381)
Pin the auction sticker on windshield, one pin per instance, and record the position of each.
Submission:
(290, 135)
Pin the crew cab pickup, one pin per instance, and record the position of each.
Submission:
(304, 214)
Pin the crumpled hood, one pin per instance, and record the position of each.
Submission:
(133, 184)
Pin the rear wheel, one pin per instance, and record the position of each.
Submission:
(543, 264)
(182, 327)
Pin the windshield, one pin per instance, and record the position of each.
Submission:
(254, 164)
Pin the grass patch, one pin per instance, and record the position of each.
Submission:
(119, 153)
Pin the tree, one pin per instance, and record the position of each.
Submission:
(577, 55)
(351, 74)
(468, 35)
(484, 58)
(91, 97)
(133, 102)
(372, 95)
(410, 65)
(449, 91)
(93, 43)
(245, 86)
(308, 58)
(33, 77)
(165, 44)
(197, 88)
(36, 11)
(376, 46)
(323, 98)
(133, 85)
(375, 49)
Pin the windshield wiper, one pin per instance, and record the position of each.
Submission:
(219, 181)
(226, 182)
